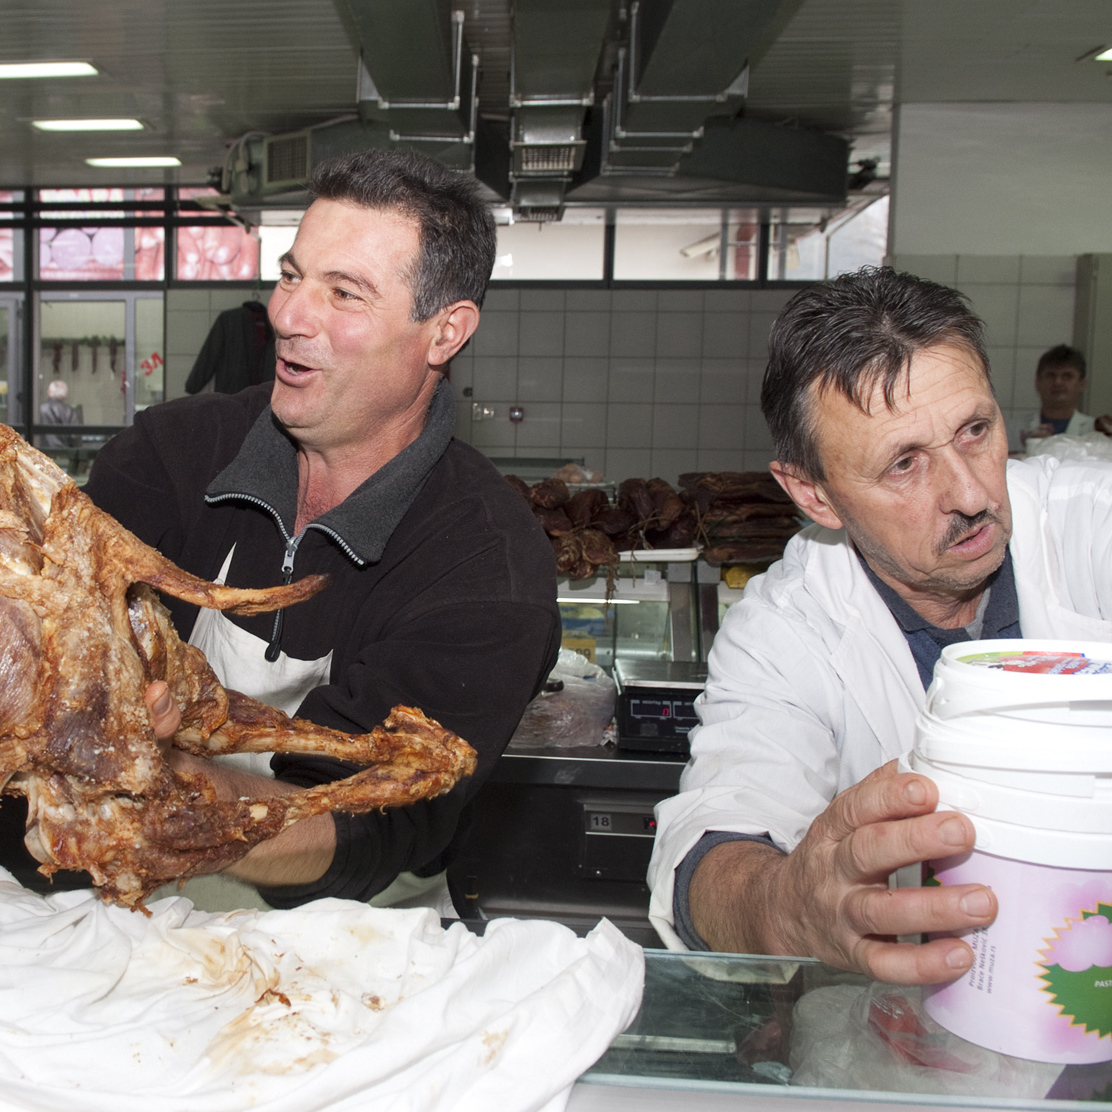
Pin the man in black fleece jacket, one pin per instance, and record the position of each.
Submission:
(442, 586)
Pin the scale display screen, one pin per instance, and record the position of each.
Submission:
(656, 704)
(650, 716)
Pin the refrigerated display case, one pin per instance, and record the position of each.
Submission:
(647, 611)
(722, 1031)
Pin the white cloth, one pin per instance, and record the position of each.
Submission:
(334, 1006)
(812, 684)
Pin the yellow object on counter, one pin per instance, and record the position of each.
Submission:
(585, 646)
(737, 575)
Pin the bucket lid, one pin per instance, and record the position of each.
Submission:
(1002, 675)
(1064, 849)
(1029, 807)
(1005, 743)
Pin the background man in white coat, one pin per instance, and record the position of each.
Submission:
(791, 815)
(1060, 381)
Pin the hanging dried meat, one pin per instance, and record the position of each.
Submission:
(744, 516)
(734, 516)
(549, 493)
(580, 546)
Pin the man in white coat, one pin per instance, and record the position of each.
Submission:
(1060, 381)
(791, 815)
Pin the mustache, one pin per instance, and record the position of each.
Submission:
(962, 525)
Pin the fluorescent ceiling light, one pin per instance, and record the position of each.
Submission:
(601, 601)
(88, 125)
(46, 69)
(1104, 56)
(145, 160)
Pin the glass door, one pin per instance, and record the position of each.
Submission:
(99, 361)
(10, 320)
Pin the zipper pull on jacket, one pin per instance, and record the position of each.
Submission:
(274, 649)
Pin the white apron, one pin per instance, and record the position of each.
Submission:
(237, 657)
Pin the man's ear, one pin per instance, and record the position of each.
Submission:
(808, 495)
(455, 325)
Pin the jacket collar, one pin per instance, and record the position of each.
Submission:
(868, 651)
(265, 471)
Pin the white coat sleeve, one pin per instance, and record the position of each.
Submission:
(765, 757)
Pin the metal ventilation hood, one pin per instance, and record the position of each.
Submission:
(555, 53)
(630, 101)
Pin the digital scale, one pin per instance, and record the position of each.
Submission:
(656, 703)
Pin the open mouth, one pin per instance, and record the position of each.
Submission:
(976, 543)
(294, 369)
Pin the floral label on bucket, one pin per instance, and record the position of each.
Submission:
(1040, 663)
(1078, 964)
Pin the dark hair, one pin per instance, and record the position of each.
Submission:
(457, 236)
(1061, 355)
(849, 334)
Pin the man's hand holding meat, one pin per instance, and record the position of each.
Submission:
(297, 855)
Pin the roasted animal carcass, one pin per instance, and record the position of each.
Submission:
(82, 635)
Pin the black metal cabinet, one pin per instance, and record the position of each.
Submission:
(566, 835)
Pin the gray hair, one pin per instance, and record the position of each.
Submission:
(852, 333)
(457, 233)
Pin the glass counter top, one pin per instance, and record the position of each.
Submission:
(793, 1028)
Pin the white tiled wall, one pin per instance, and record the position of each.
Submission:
(657, 382)
(1026, 302)
(189, 316)
(634, 382)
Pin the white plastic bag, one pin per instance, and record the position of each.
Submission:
(879, 1037)
(1091, 447)
(574, 707)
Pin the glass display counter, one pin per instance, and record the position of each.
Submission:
(722, 1031)
(662, 606)
(647, 612)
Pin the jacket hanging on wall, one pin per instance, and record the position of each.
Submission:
(238, 352)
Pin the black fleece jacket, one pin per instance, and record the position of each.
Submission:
(442, 595)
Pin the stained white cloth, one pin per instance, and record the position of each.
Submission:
(812, 684)
(334, 1006)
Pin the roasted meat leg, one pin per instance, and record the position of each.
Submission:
(82, 635)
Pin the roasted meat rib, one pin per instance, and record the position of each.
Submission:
(82, 635)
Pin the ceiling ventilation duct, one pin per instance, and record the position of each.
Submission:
(417, 76)
(686, 61)
(606, 104)
(554, 56)
(417, 88)
(540, 201)
(776, 163)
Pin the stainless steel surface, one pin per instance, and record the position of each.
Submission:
(565, 836)
(600, 766)
(683, 675)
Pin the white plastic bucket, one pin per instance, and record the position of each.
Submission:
(1027, 755)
